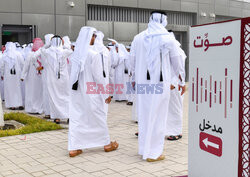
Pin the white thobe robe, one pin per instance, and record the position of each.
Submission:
(134, 112)
(175, 113)
(106, 65)
(33, 85)
(88, 117)
(1, 114)
(120, 78)
(46, 107)
(1, 107)
(58, 88)
(152, 109)
(113, 64)
(1, 81)
(12, 83)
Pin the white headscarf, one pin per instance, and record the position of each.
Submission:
(55, 53)
(182, 53)
(80, 53)
(67, 43)
(10, 54)
(99, 46)
(155, 37)
(27, 50)
(112, 40)
(56, 42)
(47, 38)
(122, 53)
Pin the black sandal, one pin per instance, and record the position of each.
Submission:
(47, 117)
(21, 108)
(174, 138)
(57, 121)
(130, 103)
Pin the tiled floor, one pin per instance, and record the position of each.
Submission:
(45, 154)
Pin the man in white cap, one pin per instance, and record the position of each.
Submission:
(88, 118)
(153, 53)
(11, 69)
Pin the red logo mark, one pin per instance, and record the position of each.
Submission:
(211, 144)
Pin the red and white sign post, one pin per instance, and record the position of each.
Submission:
(219, 104)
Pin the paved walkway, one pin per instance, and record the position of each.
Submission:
(45, 154)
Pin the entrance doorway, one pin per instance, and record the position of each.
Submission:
(22, 34)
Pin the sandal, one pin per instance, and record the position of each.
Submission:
(21, 108)
(111, 147)
(130, 103)
(47, 117)
(162, 157)
(75, 153)
(57, 121)
(174, 138)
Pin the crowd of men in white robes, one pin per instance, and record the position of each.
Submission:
(77, 81)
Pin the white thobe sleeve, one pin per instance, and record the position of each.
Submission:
(132, 60)
(97, 70)
(67, 53)
(114, 59)
(111, 74)
(21, 61)
(176, 60)
(2, 65)
(35, 55)
(26, 67)
(126, 62)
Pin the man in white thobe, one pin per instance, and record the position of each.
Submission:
(106, 64)
(113, 63)
(1, 108)
(130, 97)
(121, 71)
(1, 80)
(54, 61)
(154, 52)
(46, 107)
(11, 71)
(32, 74)
(175, 113)
(88, 117)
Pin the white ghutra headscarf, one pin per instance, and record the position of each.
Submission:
(67, 43)
(155, 37)
(10, 54)
(80, 53)
(99, 46)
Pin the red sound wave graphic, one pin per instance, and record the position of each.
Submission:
(213, 85)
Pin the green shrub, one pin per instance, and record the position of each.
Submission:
(32, 124)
